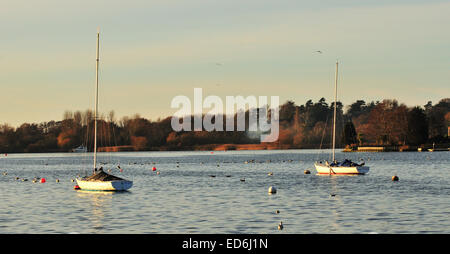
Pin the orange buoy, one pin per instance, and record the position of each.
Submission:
(76, 187)
(154, 168)
(42, 180)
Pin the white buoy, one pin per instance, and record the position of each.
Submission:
(272, 190)
(270, 173)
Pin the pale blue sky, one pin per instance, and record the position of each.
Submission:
(152, 51)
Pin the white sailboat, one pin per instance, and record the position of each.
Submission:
(80, 149)
(100, 180)
(345, 167)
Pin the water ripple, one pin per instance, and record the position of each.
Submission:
(185, 199)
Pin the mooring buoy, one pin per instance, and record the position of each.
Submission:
(280, 226)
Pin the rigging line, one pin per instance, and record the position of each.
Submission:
(102, 135)
(108, 137)
(107, 140)
(108, 127)
(115, 141)
(321, 140)
(99, 137)
(331, 145)
(85, 142)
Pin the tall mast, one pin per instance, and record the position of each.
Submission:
(96, 101)
(335, 106)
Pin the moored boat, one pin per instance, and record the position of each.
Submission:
(345, 167)
(100, 180)
(324, 168)
(80, 149)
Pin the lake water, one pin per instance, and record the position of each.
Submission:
(186, 199)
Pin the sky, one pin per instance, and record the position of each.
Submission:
(152, 51)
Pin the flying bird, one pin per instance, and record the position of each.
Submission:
(318, 51)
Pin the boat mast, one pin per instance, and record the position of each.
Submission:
(96, 101)
(334, 116)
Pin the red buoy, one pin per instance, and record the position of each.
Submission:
(154, 168)
(42, 180)
(76, 187)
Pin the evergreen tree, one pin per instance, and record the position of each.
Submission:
(417, 126)
(349, 135)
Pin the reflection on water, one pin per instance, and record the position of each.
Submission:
(98, 201)
(334, 195)
(183, 198)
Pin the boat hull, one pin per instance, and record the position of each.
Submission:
(117, 185)
(356, 170)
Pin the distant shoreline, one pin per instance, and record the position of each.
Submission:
(261, 146)
(276, 146)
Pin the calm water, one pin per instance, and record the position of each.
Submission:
(186, 199)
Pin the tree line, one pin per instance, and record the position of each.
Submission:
(386, 122)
